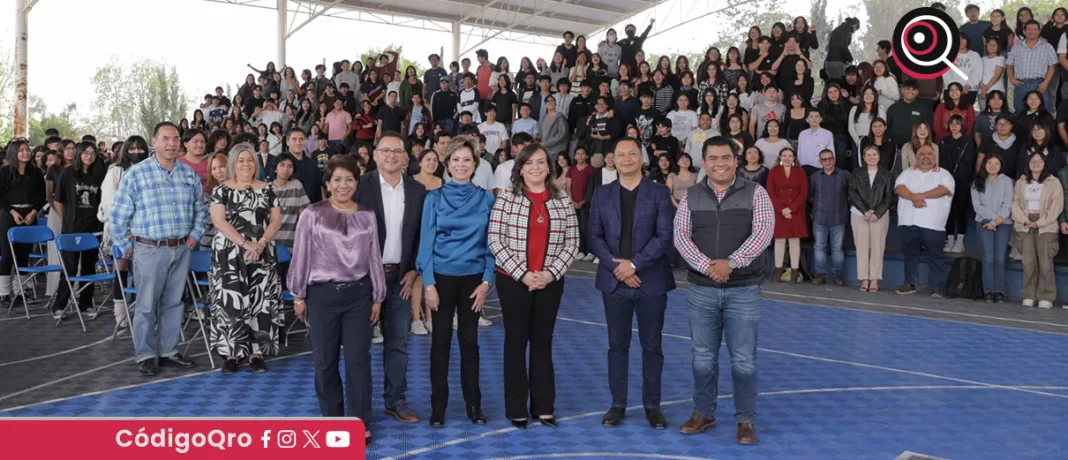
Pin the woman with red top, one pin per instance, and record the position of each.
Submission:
(788, 190)
(364, 123)
(580, 175)
(953, 106)
(534, 236)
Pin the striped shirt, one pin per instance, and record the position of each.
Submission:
(157, 204)
(292, 200)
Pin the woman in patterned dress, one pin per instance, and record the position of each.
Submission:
(245, 287)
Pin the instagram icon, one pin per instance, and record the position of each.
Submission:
(287, 439)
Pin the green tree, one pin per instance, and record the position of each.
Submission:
(883, 16)
(1043, 9)
(399, 49)
(132, 100)
(66, 121)
(7, 91)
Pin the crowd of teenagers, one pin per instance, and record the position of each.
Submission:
(381, 203)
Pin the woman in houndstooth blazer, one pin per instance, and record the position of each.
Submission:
(534, 236)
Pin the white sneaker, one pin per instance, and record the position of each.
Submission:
(949, 245)
(1015, 255)
(1065, 306)
(418, 328)
(377, 336)
(958, 246)
(1045, 305)
(90, 313)
(59, 314)
(429, 326)
(596, 261)
(1028, 303)
(580, 256)
(590, 257)
(483, 322)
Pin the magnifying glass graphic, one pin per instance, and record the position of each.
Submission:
(926, 41)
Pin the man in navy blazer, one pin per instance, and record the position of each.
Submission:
(630, 231)
(397, 201)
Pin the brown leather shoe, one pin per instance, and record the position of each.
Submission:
(697, 423)
(777, 277)
(795, 276)
(403, 414)
(746, 434)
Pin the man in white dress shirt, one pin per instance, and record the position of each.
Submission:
(925, 194)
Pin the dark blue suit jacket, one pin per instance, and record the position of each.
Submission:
(369, 193)
(652, 236)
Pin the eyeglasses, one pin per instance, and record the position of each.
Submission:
(397, 152)
(827, 159)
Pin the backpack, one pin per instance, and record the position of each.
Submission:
(965, 279)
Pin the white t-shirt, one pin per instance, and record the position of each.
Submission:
(502, 177)
(990, 66)
(934, 215)
(495, 135)
(682, 123)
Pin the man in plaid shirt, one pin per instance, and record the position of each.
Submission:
(157, 217)
(722, 227)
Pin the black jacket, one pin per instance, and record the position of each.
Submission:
(369, 193)
(838, 44)
(867, 195)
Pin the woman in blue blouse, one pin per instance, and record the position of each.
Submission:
(456, 265)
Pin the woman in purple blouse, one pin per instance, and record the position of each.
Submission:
(338, 284)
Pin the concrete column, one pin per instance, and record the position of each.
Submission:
(283, 6)
(455, 42)
(22, 36)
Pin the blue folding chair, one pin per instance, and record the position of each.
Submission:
(31, 236)
(80, 242)
(125, 291)
(283, 255)
(199, 264)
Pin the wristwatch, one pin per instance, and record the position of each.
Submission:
(731, 264)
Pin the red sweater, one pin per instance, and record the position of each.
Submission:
(941, 121)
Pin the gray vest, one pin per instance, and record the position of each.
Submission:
(720, 228)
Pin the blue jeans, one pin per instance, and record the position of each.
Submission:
(619, 309)
(995, 246)
(820, 233)
(159, 274)
(1026, 87)
(912, 239)
(736, 312)
(395, 320)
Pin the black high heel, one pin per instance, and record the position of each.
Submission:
(550, 421)
(475, 414)
(437, 419)
(521, 424)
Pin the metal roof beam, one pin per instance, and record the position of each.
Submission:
(519, 9)
(312, 18)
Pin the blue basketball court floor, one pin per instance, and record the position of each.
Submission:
(843, 375)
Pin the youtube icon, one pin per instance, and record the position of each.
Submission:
(338, 439)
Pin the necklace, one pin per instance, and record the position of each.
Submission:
(541, 217)
(342, 210)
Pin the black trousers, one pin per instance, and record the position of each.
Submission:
(583, 215)
(22, 251)
(529, 317)
(959, 220)
(77, 264)
(339, 314)
(454, 294)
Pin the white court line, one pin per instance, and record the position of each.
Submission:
(126, 387)
(886, 305)
(58, 353)
(439, 446)
(851, 363)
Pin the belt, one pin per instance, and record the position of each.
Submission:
(391, 267)
(170, 243)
